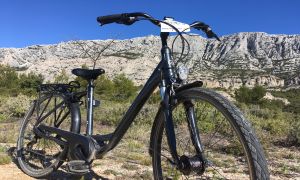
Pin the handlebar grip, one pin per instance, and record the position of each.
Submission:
(110, 19)
(125, 18)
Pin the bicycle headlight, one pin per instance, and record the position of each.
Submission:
(183, 72)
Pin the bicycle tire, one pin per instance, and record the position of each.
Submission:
(256, 161)
(44, 168)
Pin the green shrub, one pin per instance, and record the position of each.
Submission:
(28, 83)
(272, 104)
(257, 93)
(3, 109)
(124, 88)
(8, 77)
(293, 96)
(120, 89)
(250, 96)
(12, 84)
(243, 94)
(110, 113)
(257, 111)
(104, 87)
(293, 108)
(8, 81)
(294, 133)
(273, 125)
(16, 106)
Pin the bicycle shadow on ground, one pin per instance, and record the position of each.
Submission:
(68, 176)
(59, 174)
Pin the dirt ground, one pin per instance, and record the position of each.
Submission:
(283, 164)
(130, 160)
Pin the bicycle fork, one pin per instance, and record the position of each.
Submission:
(183, 163)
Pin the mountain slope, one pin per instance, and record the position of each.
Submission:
(243, 58)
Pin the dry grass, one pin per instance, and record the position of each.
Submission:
(9, 132)
(4, 157)
(130, 159)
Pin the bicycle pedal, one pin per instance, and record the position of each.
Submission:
(78, 167)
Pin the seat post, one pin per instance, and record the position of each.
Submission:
(90, 100)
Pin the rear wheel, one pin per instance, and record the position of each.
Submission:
(230, 146)
(38, 156)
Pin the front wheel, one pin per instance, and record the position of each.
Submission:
(230, 147)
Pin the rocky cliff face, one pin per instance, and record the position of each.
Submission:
(243, 58)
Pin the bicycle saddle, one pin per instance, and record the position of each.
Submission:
(88, 74)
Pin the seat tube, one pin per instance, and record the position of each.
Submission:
(90, 100)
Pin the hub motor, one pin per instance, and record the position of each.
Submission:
(192, 165)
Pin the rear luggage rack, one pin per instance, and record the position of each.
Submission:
(62, 88)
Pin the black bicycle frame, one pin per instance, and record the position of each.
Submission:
(134, 109)
(162, 76)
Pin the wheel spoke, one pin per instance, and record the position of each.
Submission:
(46, 105)
(217, 129)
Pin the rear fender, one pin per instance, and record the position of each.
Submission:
(75, 117)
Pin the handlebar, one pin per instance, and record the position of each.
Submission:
(130, 18)
(125, 18)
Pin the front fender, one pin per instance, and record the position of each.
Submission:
(188, 86)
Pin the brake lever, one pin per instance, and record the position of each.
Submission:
(211, 34)
(205, 28)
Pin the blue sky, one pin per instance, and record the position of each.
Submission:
(29, 22)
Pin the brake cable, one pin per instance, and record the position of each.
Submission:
(179, 34)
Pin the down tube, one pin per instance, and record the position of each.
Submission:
(134, 109)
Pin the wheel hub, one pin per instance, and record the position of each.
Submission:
(193, 164)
